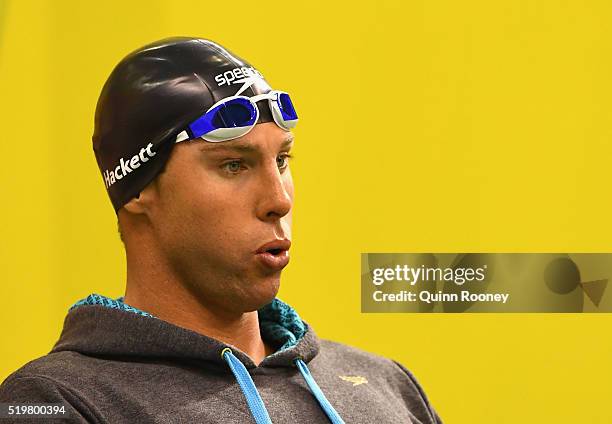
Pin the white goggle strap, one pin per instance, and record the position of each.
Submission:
(271, 95)
(225, 134)
(182, 136)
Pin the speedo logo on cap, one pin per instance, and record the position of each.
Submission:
(237, 76)
(126, 167)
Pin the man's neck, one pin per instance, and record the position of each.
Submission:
(154, 287)
(180, 308)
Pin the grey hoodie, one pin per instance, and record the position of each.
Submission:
(117, 364)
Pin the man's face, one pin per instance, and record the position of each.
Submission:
(215, 205)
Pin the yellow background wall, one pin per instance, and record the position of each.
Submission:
(426, 126)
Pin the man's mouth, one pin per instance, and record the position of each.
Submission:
(275, 246)
(274, 254)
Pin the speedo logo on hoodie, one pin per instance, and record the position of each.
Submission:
(126, 167)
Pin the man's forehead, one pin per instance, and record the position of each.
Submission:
(245, 144)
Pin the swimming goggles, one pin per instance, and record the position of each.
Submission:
(234, 116)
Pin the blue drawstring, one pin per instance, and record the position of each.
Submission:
(256, 405)
(254, 401)
(318, 393)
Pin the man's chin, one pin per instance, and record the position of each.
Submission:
(262, 293)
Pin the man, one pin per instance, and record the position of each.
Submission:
(194, 146)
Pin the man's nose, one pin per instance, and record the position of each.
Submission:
(274, 198)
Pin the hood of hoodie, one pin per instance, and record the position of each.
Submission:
(101, 326)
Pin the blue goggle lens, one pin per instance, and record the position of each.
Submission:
(235, 113)
(286, 107)
(231, 114)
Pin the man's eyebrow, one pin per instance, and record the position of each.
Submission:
(243, 146)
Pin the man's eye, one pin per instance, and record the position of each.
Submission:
(284, 160)
(233, 166)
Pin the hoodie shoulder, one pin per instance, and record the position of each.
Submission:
(55, 366)
(342, 352)
(398, 377)
(40, 381)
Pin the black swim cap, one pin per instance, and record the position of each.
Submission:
(151, 96)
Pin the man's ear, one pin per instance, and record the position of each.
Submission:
(135, 205)
(141, 203)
